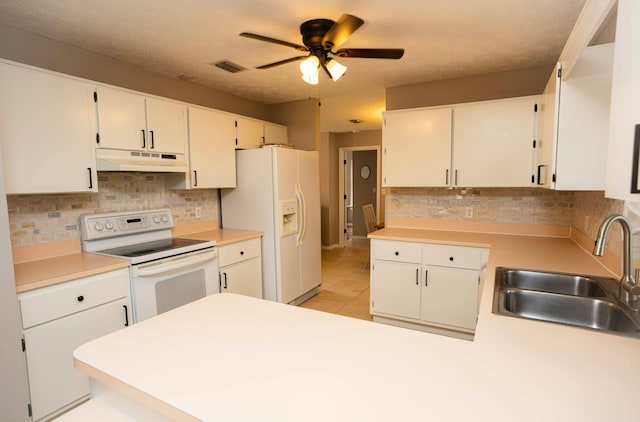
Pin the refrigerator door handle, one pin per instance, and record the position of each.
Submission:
(304, 215)
(300, 215)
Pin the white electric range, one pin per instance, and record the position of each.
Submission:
(166, 272)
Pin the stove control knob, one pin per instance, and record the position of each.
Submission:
(109, 225)
(98, 227)
(165, 218)
(156, 219)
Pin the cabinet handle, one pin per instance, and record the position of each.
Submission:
(446, 177)
(456, 180)
(540, 182)
(397, 253)
(90, 178)
(426, 278)
(126, 315)
(153, 145)
(144, 139)
(417, 275)
(451, 258)
(80, 298)
(241, 252)
(225, 280)
(195, 178)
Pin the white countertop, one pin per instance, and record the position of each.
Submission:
(234, 358)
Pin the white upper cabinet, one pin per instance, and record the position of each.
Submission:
(416, 147)
(275, 134)
(493, 143)
(574, 122)
(622, 180)
(484, 144)
(212, 159)
(46, 132)
(249, 133)
(130, 121)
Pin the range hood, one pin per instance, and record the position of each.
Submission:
(121, 160)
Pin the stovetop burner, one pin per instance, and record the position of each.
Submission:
(148, 248)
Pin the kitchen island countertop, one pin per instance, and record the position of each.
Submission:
(234, 358)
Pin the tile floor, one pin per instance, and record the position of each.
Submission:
(345, 281)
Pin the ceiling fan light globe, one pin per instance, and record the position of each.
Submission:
(311, 79)
(309, 66)
(335, 69)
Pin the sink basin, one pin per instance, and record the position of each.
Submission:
(570, 299)
(584, 312)
(567, 284)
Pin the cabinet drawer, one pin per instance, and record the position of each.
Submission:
(453, 256)
(396, 251)
(53, 302)
(239, 251)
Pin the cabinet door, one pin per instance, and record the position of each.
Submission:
(46, 132)
(275, 134)
(623, 166)
(493, 143)
(243, 278)
(395, 289)
(211, 149)
(121, 119)
(53, 380)
(166, 125)
(450, 297)
(249, 133)
(547, 131)
(416, 147)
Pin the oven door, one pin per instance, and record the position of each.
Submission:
(159, 286)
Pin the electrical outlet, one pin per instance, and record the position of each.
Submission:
(468, 212)
(198, 212)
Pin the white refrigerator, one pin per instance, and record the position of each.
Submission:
(278, 194)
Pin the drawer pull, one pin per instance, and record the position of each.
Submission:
(450, 258)
(80, 298)
(397, 253)
(241, 252)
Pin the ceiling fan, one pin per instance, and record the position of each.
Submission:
(320, 37)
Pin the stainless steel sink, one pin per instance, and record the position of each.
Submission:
(570, 299)
(567, 284)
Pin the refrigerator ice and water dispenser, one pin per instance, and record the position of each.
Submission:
(288, 218)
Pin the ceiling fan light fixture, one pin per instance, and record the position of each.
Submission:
(311, 79)
(336, 70)
(309, 66)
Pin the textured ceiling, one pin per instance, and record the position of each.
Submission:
(442, 39)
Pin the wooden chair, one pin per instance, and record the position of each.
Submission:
(371, 223)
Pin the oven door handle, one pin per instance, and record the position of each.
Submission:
(174, 265)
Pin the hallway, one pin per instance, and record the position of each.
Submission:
(345, 281)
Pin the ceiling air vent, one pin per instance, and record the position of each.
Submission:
(229, 66)
(356, 121)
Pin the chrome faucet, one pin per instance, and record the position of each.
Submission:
(629, 290)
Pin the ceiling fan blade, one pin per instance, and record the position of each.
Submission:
(371, 53)
(341, 30)
(273, 40)
(292, 59)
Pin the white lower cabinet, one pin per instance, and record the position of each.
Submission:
(421, 285)
(58, 319)
(240, 268)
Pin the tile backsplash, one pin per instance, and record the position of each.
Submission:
(490, 205)
(36, 219)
